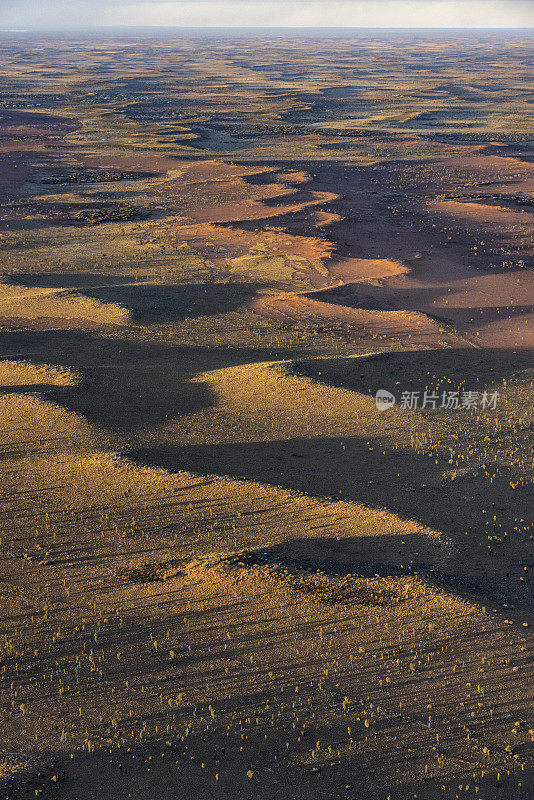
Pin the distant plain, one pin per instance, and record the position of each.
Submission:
(224, 572)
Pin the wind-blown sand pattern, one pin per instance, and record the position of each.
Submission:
(225, 573)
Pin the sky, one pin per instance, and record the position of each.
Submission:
(31, 14)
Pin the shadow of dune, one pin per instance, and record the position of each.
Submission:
(127, 385)
(21, 117)
(148, 303)
(380, 556)
(122, 772)
(523, 152)
(352, 295)
(383, 297)
(513, 782)
(468, 369)
(364, 556)
(410, 484)
(386, 298)
(31, 388)
(152, 303)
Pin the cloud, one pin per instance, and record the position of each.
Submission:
(297, 13)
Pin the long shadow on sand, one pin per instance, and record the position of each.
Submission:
(468, 369)
(148, 303)
(127, 385)
(367, 556)
(406, 483)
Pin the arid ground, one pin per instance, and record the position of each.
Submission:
(225, 573)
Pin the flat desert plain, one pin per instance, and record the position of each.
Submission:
(225, 572)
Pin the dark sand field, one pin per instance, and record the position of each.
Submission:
(225, 573)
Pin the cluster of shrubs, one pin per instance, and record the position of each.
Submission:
(95, 176)
(95, 215)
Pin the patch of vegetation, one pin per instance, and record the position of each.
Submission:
(96, 176)
(320, 584)
(478, 136)
(362, 592)
(158, 571)
(97, 215)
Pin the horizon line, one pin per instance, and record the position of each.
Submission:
(267, 28)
